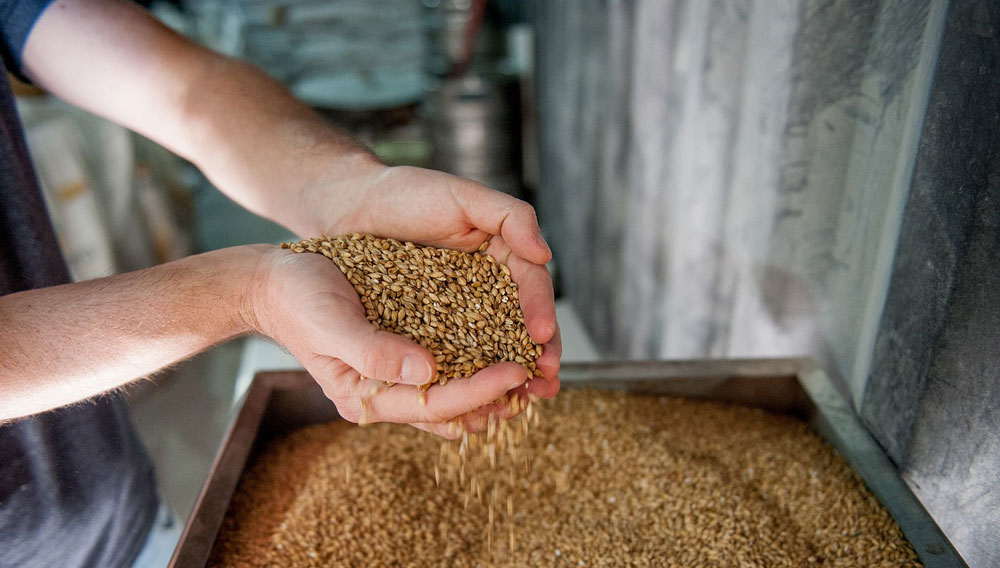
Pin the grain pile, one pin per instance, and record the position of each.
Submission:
(616, 480)
(462, 307)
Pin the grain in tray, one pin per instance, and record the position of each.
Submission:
(606, 479)
(616, 479)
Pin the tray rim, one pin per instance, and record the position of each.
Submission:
(833, 417)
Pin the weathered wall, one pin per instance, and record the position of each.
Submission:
(726, 178)
(729, 178)
(933, 398)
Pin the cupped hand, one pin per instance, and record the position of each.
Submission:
(305, 303)
(439, 209)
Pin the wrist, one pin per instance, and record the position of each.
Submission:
(257, 265)
(229, 283)
(334, 201)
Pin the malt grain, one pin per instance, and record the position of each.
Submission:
(462, 307)
(616, 480)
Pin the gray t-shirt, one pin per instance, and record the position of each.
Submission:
(76, 486)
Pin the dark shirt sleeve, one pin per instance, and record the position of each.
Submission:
(17, 17)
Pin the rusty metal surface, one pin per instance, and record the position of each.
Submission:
(278, 402)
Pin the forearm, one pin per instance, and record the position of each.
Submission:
(66, 343)
(244, 130)
(266, 149)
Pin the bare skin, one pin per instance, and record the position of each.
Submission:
(276, 157)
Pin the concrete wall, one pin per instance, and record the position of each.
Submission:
(933, 397)
(726, 178)
(729, 178)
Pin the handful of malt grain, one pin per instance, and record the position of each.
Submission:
(462, 307)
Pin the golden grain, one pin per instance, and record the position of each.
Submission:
(619, 480)
(462, 307)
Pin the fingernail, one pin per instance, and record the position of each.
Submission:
(415, 370)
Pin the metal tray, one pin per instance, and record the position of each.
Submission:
(278, 402)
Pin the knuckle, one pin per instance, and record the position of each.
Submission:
(375, 360)
(348, 411)
(523, 208)
(337, 388)
(438, 415)
(330, 390)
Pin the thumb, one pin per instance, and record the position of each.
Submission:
(381, 355)
(497, 213)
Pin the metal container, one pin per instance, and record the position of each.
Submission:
(279, 402)
(474, 126)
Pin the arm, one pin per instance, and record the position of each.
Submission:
(67, 343)
(250, 137)
(276, 157)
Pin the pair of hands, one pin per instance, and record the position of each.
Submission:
(259, 144)
(305, 303)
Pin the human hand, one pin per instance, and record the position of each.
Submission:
(305, 303)
(439, 209)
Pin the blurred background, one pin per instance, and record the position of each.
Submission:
(724, 178)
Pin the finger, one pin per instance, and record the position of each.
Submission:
(453, 429)
(544, 388)
(478, 420)
(512, 404)
(500, 214)
(377, 354)
(533, 389)
(441, 403)
(340, 383)
(534, 290)
(549, 361)
(445, 430)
